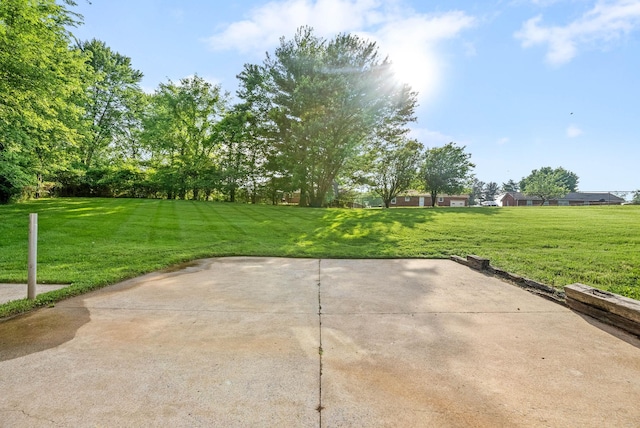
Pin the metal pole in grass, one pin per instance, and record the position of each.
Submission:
(33, 256)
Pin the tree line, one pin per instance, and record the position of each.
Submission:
(318, 117)
(546, 183)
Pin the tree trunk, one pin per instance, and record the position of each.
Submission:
(303, 198)
(254, 191)
(38, 185)
(314, 203)
(316, 200)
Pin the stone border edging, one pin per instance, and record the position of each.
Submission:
(482, 264)
(607, 307)
(610, 308)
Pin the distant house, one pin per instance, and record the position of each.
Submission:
(415, 199)
(518, 199)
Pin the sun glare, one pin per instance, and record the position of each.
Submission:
(417, 69)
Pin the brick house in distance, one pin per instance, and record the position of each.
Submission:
(517, 199)
(415, 199)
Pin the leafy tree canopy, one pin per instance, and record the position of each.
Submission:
(476, 191)
(394, 168)
(320, 101)
(181, 131)
(546, 184)
(40, 78)
(446, 169)
(564, 178)
(491, 190)
(111, 102)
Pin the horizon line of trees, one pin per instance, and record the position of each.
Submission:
(318, 116)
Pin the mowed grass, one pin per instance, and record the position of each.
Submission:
(93, 242)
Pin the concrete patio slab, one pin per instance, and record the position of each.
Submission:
(246, 341)
(464, 349)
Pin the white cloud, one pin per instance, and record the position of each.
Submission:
(430, 138)
(605, 22)
(503, 140)
(544, 3)
(266, 24)
(410, 39)
(573, 131)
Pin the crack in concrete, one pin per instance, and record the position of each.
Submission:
(445, 313)
(320, 407)
(28, 415)
(213, 311)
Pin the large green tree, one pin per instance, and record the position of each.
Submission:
(476, 191)
(321, 100)
(491, 190)
(446, 169)
(545, 183)
(107, 152)
(40, 81)
(564, 178)
(242, 156)
(181, 131)
(394, 168)
(112, 101)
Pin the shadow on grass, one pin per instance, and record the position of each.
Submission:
(69, 209)
(406, 217)
(372, 233)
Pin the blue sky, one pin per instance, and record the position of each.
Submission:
(521, 83)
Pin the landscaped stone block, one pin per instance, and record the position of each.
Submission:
(477, 262)
(607, 307)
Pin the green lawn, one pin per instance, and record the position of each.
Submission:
(93, 242)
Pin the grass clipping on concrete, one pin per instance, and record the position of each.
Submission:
(89, 243)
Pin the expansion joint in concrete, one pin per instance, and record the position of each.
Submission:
(320, 351)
